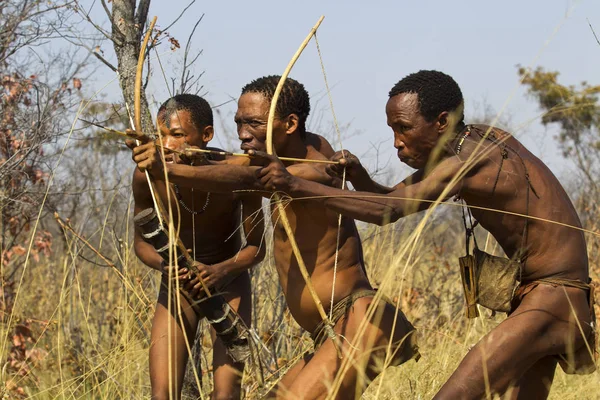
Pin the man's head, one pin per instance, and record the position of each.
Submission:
(185, 119)
(293, 107)
(421, 108)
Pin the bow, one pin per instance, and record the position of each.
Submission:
(282, 214)
(137, 109)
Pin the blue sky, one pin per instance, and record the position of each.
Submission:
(368, 47)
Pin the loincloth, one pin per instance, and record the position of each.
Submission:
(341, 309)
(581, 360)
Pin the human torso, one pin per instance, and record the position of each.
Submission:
(316, 232)
(213, 234)
(550, 249)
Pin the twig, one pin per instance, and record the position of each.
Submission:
(185, 79)
(67, 227)
(179, 17)
(597, 40)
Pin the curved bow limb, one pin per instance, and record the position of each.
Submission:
(137, 110)
(282, 214)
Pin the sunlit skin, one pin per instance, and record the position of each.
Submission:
(316, 232)
(519, 351)
(222, 260)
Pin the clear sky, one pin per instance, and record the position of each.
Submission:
(368, 46)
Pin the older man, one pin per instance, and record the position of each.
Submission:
(513, 195)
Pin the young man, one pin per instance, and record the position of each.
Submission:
(316, 232)
(208, 225)
(513, 195)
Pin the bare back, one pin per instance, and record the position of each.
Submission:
(502, 184)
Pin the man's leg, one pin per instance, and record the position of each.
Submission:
(517, 348)
(227, 373)
(536, 382)
(318, 373)
(168, 350)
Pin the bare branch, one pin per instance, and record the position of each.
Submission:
(180, 15)
(186, 65)
(106, 9)
(597, 40)
(142, 13)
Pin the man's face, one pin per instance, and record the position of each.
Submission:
(414, 137)
(179, 132)
(251, 120)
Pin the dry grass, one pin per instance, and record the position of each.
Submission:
(85, 330)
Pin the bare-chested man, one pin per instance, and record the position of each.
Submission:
(316, 231)
(208, 225)
(550, 318)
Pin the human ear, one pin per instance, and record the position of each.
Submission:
(292, 123)
(207, 133)
(443, 121)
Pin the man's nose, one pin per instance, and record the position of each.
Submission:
(398, 144)
(170, 144)
(243, 134)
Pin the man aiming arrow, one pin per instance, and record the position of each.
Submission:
(208, 225)
(544, 286)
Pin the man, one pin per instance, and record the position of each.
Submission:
(316, 232)
(207, 224)
(513, 195)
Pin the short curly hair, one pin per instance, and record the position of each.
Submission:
(293, 99)
(437, 92)
(198, 108)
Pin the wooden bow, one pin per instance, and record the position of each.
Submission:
(137, 102)
(282, 214)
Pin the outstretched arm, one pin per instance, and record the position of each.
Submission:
(233, 174)
(223, 177)
(360, 177)
(365, 206)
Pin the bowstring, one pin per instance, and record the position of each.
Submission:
(339, 136)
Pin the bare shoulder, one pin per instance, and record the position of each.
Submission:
(484, 154)
(320, 144)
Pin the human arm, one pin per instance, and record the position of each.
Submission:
(142, 200)
(355, 173)
(370, 207)
(222, 178)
